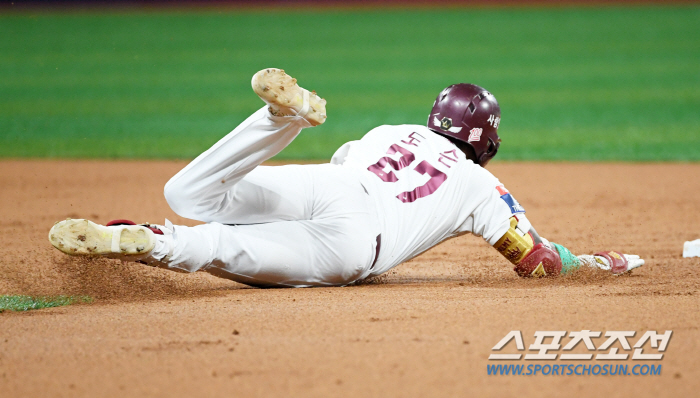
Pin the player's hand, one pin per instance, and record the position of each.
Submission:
(633, 261)
(613, 261)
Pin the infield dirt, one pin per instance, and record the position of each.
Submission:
(425, 329)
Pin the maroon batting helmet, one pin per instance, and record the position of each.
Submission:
(470, 114)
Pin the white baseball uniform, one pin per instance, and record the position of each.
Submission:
(382, 200)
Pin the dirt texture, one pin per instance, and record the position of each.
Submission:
(424, 329)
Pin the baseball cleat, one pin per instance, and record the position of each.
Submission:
(85, 238)
(285, 98)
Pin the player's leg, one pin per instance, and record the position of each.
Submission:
(208, 187)
(286, 253)
(204, 189)
(335, 247)
(325, 252)
(266, 194)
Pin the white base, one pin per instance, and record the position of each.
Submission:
(691, 249)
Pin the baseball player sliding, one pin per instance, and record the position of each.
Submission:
(382, 200)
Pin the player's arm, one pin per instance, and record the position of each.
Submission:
(533, 255)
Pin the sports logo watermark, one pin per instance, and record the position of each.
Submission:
(548, 346)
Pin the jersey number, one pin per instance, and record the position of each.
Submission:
(437, 177)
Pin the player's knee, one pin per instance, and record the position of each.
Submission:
(355, 263)
(174, 199)
(189, 203)
(179, 201)
(348, 273)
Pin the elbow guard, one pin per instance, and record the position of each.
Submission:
(529, 259)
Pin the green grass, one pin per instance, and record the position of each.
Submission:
(611, 83)
(26, 303)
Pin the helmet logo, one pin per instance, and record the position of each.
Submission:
(446, 123)
(475, 134)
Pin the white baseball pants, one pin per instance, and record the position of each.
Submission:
(293, 225)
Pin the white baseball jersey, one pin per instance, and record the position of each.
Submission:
(426, 191)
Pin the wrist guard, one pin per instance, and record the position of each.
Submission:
(569, 262)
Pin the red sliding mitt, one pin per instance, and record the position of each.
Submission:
(541, 261)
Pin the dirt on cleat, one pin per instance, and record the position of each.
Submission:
(79, 237)
(285, 98)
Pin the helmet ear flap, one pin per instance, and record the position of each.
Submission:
(493, 147)
(490, 152)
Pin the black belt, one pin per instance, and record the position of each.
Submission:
(376, 252)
